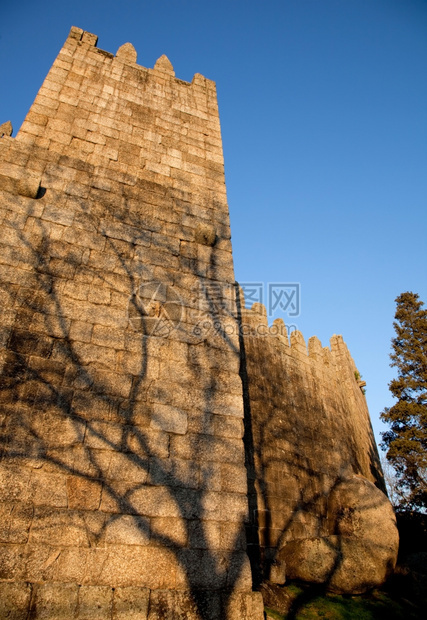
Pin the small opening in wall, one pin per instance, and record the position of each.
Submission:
(41, 192)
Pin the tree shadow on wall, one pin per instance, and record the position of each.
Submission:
(298, 458)
(105, 445)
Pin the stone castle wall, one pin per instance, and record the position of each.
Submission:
(123, 482)
(160, 454)
(313, 466)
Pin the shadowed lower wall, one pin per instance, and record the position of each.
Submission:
(314, 471)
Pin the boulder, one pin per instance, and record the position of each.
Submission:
(361, 549)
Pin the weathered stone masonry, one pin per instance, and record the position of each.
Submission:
(318, 511)
(151, 442)
(123, 483)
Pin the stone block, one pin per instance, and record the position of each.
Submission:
(233, 537)
(227, 426)
(59, 429)
(142, 444)
(175, 473)
(225, 506)
(212, 424)
(98, 295)
(14, 483)
(110, 317)
(169, 419)
(80, 330)
(48, 489)
(128, 498)
(15, 522)
(239, 576)
(13, 562)
(127, 530)
(177, 396)
(130, 603)
(112, 383)
(46, 563)
(247, 606)
(204, 534)
(151, 567)
(127, 467)
(76, 290)
(89, 38)
(104, 435)
(14, 600)
(185, 604)
(169, 532)
(21, 182)
(75, 33)
(83, 494)
(57, 601)
(105, 337)
(57, 527)
(204, 569)
(206, 448)
(95, 602)
(84, 239)
(233, 478)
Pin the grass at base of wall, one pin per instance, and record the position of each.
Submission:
(374, 606)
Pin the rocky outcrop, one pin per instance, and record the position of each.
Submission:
(361, 550)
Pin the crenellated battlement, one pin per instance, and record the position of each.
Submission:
(119, 116)
(337, 355)
(127, 54)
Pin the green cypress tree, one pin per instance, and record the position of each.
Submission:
(406, 441)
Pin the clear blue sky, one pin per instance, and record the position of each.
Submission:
(323, 107)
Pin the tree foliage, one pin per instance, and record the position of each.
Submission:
(406, 440)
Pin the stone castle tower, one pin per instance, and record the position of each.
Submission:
(160, 455)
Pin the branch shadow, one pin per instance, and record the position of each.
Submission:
(66, 413)
(298, 455)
